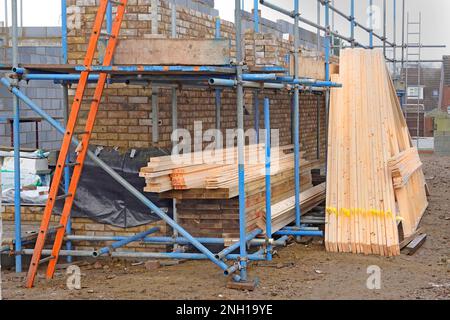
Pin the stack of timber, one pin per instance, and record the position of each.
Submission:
(190, 170)
(375, 186)
(217, 172)
(207, 193)
(283, 212)
(220, 217)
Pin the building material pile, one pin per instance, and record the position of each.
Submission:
(207, 193)
(283, 212)
(375, 185)
(219, 171)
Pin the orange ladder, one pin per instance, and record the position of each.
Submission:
(82, 146)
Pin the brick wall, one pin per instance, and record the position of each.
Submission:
(124, 119)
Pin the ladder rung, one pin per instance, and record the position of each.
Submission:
(118, 3)
(64, 196)
(81, 132)
(60, 226)
(72, 164)
(91, 100)
(46, 259)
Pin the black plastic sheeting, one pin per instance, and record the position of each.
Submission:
(100, 198)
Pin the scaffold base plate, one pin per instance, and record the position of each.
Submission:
(249, 285)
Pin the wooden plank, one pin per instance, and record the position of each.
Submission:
(312, 67)
(415, 244)
(162, 51)
(404, 242)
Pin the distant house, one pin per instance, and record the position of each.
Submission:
(421, 98)
(442, 114)
(445, 85)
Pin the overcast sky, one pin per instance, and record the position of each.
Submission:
(435, 17)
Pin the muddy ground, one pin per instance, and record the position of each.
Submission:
(298, 272)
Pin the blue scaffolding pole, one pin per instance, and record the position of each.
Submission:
(65, 111)
(256, 15)
(296, 115)
(240, 145)
(218, 92)
(16, 133)
(268, 183)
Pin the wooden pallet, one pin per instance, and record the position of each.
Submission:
(220, 217)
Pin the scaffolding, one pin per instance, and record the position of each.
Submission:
(236, 76)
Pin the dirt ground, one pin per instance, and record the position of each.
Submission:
(298, 272)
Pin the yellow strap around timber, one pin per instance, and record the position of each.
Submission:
(361, 212)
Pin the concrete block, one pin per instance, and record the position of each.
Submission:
(35, 32)
(53, 32)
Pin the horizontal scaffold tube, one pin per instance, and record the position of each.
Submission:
(142, 198)
(217, 82)
(309, 82)
(258, 256)
(236, 245)
(258, 76)
(277, 8)
(170, 240)
(57, 77)
(124, 242)
(146, 68)
(300, 233)
(95, 77)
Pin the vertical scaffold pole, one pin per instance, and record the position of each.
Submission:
(16, 133)
(371, 24)
(174, 114)
(109, 18)
(327, 71)
(218, 93)
(327, 40)
(240, 144)
(384, 28)
(256, 114)
(256, 15)
(255, 92)
(352, 22)
(6, 14)
(296, 116)
(319, 7)
(268, 184)
(394, 17)
(403, 35)
(65, 112)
